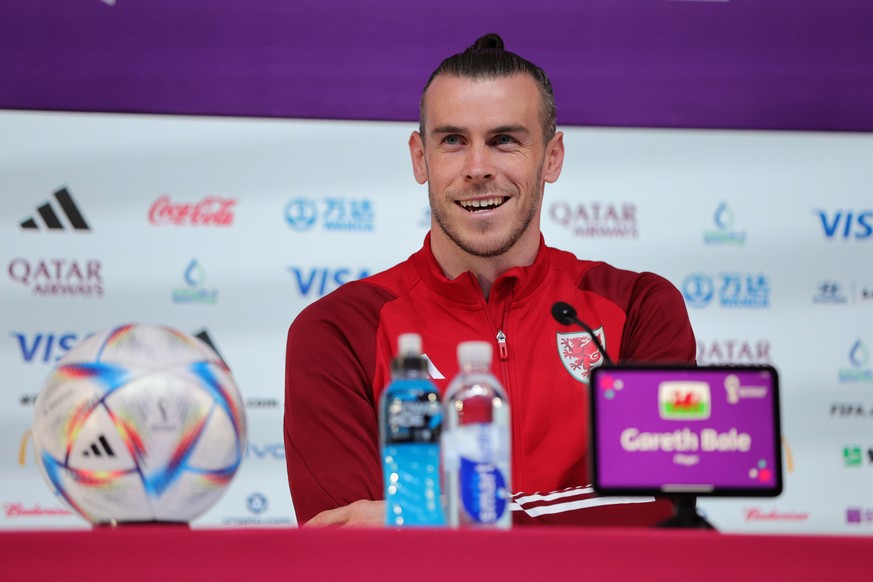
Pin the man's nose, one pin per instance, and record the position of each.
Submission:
(479, 164)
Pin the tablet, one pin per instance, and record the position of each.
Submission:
(704, 431)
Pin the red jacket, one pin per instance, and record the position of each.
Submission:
(340, 348)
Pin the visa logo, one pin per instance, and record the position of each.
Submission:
(45, 347)
(847, 224)
(320, 281)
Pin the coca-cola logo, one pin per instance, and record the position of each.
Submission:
(13, 509)
(211, 211)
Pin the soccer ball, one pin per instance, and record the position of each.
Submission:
(137, 424)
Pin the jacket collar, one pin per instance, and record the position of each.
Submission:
(519, 282)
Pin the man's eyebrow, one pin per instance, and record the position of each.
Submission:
(447, 129)
(496, 130)
(510, 129)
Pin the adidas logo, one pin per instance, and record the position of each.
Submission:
(50, 218)
(99, 448)
(203, 336)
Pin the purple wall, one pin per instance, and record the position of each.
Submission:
(769, 64)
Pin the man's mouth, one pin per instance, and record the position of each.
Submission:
(485, 204)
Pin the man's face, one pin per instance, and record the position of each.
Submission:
(484, 160)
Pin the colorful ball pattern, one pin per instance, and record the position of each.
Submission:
(141, 423)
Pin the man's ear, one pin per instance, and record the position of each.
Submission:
(416, 150)
(554, 158)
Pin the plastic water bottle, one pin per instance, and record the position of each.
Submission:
(410, 415)
(476, 443)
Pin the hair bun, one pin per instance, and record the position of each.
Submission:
(489, 41)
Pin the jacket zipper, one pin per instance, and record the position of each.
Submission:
(503, 355)
(501, 345)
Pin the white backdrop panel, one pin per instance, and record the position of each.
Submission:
(311, 204)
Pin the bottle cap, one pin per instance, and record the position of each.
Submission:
(409, 356)
(474, 353)
(408, 344)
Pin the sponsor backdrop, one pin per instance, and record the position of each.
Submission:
(229, 227)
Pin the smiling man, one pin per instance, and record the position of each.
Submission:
(486, 147)
(485, 156)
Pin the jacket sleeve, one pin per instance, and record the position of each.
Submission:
(657, 329)
(580, 506)
(330, 426)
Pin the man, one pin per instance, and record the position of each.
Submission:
(486, 147)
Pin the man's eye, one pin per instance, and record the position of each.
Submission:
(503, 140)
(452, 140)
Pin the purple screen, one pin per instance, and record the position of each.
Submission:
(702, 430)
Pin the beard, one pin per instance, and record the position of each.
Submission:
(494, 245)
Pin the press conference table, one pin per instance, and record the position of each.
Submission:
(156, 552)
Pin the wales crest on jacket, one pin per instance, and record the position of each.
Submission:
(579, 353)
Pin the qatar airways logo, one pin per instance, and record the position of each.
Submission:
(58, 277)
(210, 211)
(596, 219)
(733, 351)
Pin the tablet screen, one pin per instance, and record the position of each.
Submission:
(705, 431)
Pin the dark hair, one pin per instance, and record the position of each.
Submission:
(487, 59)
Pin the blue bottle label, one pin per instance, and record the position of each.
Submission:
(412, 413)
(412, 416)
(483, 491)
(412, 485)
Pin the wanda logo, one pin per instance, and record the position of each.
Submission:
(211, 211)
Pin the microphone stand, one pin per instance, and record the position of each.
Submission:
(565, 314)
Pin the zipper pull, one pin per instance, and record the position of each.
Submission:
(501, 345)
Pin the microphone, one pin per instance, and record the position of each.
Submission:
(565, 314)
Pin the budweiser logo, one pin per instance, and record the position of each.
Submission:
(757, 514)
(211, 211)
(19, 510)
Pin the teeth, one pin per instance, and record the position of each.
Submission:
(496, 201)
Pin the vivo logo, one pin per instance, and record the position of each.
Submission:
(268, 451)
(45, 347)
(320, 281)
(847, 224)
